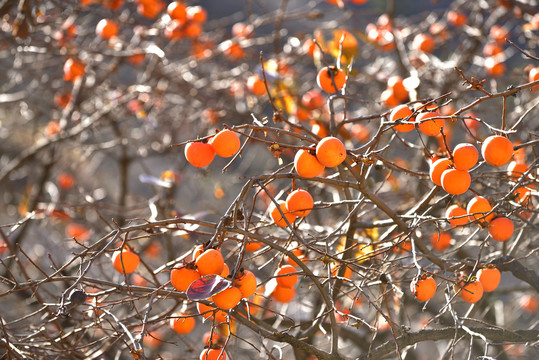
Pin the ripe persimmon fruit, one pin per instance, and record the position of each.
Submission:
(199, 154)
(307, 165)
(330, 151)
(437, 169)
(489, 277)
(497, 150)
(213, 354)
(424, 288)
(177, 11)
(440, 241)
(206, 311)
(516, 169)
(256, 85)
(183, 276)
(225, 143)
(283, 294)
(283, 278)
(275, 214)
(196, 13)
(472, 292)
(501, 228)
(477, 209)
(430, 127)
(228, 298)
(299, 202)
(456, 19)
(210, 262)
(396, 85)
(494, 66)
(73, 69)
(245, 281)
(402, 112)
(225, 272)
(78, 231)
(456, 211)
(388, 98)
(331, 79)
(424, 43)
(313, 99)
(455, 181)
(182, 324)
(465, 156)
(107, 29)
(125, 260)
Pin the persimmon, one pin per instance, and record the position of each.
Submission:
(182, 324)
(212, 338)
(477, 209)
(529, 303)
(388, 98)
(73, 69)
(253, 245)
(245, 281)
(455, 181)
(233, 50)
(457, 19)
(226, 271)
(456, 215)
(313, 99)
(498, 34)
(206, 311)
(492, 49)
(242, 30)
(174, 30)
(275, 214)
(106, 29)
(307, 165)
(424, 288)
(210, 262)
(196, 13)
(283, 294)
(256, 85)
(331, 79)
(192, 29)
(62, 99)
(113, 4)
(125, 260)
(299, 202)
(533, 75)
(283, 278)
(430, 127)
(225, 143)
(197, 250)
(497, 150)
(65, 181)
(183, 276)
(199, 154)
(440, 241)
(396, 84)
(494, 66)
(465, 156)
(516, 169)
(437, 169)
(150, 9)
(319, 129)
(228, 298)
(177, 10)
(213, 354)
(402, 112)
(501, 228)
(78, 231)
(472, 292)
(424, 43)
(330, 151)
(489, 278)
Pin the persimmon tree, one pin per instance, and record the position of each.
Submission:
(312, 180)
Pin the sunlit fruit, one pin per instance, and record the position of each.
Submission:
(283, 294)
(497, 150)
(331, 79)
(489, 278)
(177, 10)
(228, 298)
(245, 281)
(424, 43)
(478, 208)
(107, 29)
(456, 19)
(284, 278)
(494, 66)
(225, 143)
(455, 181)
(430, 127)
(501, 228)
(516, 169)
(213, 354)
(275, 214)
(199, 154)
(472, 292)
(330, 151)
(437, 169)
(299, 202)
(402, 112)
(256, 85)
(183, 276)
(307, 165)
(423, 289)
(125, 260)
(458, 213)
(182, 324)
(465, 156)
(396, 85)
(440, 241)
(73, 69)
(210, 262)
